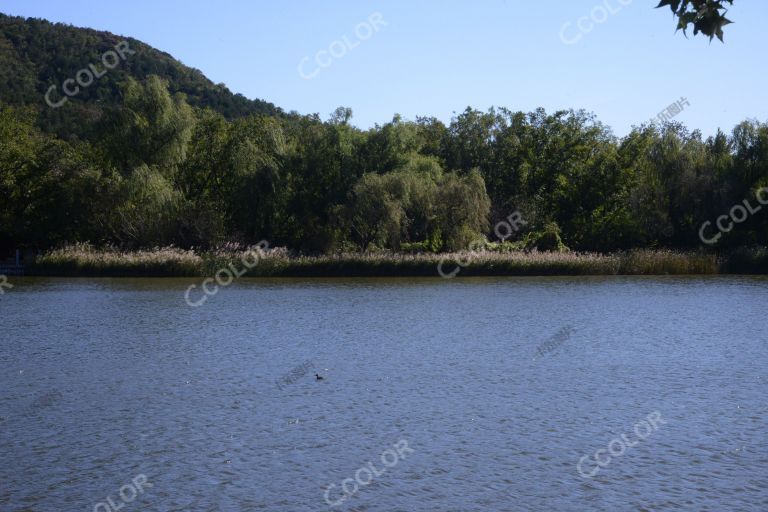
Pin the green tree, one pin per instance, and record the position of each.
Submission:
(463, 208)
(150, 127)
(376, 210)
(147, 212)
(324, 162)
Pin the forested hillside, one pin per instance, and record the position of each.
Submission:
(36, 54)
(162, 158)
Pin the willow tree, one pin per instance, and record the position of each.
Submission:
(150, 127)
(464, 207)
(146, 138)
(376, 210)
(147, 211)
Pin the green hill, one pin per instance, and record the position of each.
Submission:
(36, 54)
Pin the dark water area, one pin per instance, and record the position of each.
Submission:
(509, 394)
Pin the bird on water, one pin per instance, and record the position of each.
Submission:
(318, 377)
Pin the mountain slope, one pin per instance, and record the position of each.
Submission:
(36, 54)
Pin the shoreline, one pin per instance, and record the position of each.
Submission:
(85, 261)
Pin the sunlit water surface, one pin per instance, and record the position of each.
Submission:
(104, 380)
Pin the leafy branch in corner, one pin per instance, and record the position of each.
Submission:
(707, 16)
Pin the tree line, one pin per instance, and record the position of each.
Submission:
(155, 171)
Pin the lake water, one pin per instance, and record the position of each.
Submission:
(444, 395)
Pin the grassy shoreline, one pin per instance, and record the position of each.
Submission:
(86, 261)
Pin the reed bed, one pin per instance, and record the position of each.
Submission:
(85, 260)
(663, 262)
(534, 263)
(426, 264)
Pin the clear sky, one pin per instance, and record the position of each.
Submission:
(436, 57)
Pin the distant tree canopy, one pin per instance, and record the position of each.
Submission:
(156, 171)
(707, 16)
(36, 54)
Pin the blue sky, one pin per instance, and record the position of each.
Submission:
(436, 57)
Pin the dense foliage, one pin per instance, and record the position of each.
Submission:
(36, 54)
(157, 171)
